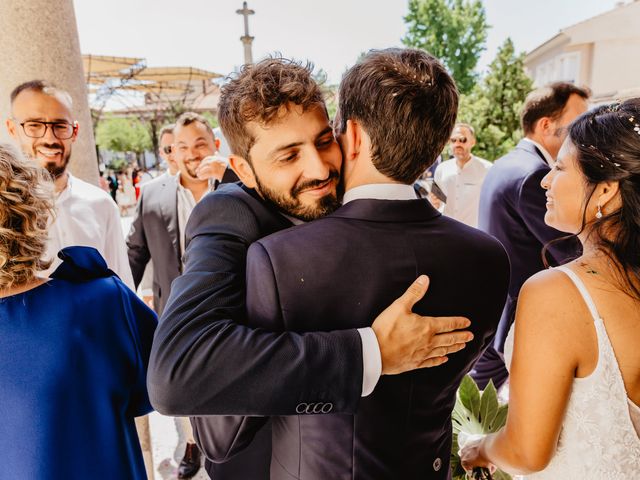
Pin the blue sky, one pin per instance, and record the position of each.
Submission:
(331, 33)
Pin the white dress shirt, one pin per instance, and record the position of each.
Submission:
(462, 187)
(87, 216)
(186, 204)
(371, 357)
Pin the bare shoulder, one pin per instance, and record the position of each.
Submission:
(551, 300)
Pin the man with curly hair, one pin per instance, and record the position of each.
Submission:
(206, 360)
(42, 124)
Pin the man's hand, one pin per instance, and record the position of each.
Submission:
(409, 341)
(212, 167)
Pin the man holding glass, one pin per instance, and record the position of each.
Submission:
(42, 124)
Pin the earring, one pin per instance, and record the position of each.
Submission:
(599, 212)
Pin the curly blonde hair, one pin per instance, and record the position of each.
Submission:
(26, 204)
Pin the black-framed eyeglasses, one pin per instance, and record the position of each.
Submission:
(167, 149)
(38, 129)
(462, 140)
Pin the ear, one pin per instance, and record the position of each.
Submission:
(243, 170)
(352, 141)
(76, 128)
(544, 126)
(217, 142)
(607, 193)
(12, 129)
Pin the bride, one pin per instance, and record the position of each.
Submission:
(575, 369)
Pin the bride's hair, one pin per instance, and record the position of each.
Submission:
(26, 203)
(607, 142)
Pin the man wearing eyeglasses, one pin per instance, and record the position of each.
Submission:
(460, 178)
(43, 126)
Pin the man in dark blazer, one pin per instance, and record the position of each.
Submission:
(512, 204)
(397, 108)
(155, 233)
(206, 360)
(163, 208)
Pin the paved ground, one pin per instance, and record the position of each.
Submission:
(167, 439)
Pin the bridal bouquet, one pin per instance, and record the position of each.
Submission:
(475, 413)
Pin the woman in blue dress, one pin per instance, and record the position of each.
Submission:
(73, 348)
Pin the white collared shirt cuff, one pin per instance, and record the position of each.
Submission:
(371, 360)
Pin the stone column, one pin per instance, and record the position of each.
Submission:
(39, 40)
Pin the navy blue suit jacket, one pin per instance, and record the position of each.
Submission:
(512, 209)
(340, 272)
(205, 360)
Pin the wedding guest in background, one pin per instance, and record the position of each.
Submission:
(112, 179)
(166, 149)
(158, 230)
(460, 178)
(42, 125)
(512, 204)
(575, 368)
(73, 347)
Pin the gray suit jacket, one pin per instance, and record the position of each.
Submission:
(155, 235)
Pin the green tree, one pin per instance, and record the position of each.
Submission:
(493, 106)
(455, 31)
(123, 135)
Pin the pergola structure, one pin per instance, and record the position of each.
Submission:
(161, 88)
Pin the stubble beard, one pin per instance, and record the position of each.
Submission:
(291, 205)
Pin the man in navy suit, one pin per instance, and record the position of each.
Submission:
(512, 204)
(397, 109)
(206, 360)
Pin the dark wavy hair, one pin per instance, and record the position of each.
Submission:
(607, 142)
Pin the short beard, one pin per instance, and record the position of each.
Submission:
(291, 205)
(56, 171)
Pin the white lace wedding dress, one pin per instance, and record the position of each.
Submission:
(600, 434)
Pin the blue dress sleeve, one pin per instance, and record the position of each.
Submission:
(142, 322)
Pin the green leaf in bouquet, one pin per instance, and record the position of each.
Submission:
(499, 420)
(469, 395)
(475, 413)
(500, 475)
(488, 406)
(463, 420)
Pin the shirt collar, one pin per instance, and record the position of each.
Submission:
(182, 188)
(471, 161)
(547, 156)
(377, 191)
(380, 191)
(66, 193)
